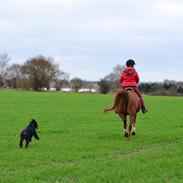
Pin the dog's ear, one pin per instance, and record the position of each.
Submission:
(33, 121)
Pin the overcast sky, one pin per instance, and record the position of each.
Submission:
(88, 38)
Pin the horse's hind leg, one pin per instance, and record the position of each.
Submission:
(132, 119)
(124, 128)
(133, 127)
(133, 131)
(123, 117)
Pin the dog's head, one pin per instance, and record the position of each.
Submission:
(34, 123)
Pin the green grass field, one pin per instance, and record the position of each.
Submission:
(80, 144)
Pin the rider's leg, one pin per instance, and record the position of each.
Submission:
(137, 91)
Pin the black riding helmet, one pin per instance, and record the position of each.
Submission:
(130, 62)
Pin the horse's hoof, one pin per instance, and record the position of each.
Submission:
(126, 134)
(133, 133)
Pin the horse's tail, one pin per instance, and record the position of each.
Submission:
(121, 95)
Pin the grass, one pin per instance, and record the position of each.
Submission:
(80, 144)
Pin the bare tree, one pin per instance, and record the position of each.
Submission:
(104, 86)
(114, 77)
(40, 71)
(24, 83)
(4, 59)
(76, 83)
(62, 80)
(13, 74)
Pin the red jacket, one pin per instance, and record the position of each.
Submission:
(129, 77)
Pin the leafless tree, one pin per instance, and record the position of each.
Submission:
(76, 83)
(4, 59)
(114, 77)
(104, 86)
(13, 74)
(62, 80)
(40, 71)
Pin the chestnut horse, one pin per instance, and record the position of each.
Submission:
(126, 103)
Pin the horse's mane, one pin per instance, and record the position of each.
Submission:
(120, 102)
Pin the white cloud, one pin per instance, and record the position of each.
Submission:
(92, 36)
(169, 8)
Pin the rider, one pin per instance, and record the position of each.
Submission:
(129, 78)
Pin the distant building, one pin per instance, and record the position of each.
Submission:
(66, 89)
(87, 90)
(52, 89)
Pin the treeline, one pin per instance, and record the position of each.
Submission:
(38, 73)
(167, 87)
(35, 73)
(42, 73)
(111, 83)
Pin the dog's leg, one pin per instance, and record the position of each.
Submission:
(27, 143)
(36, 136)
(21, 142)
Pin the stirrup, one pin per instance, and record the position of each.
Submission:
(144, 110)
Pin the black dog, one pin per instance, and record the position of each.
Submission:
(28, 132)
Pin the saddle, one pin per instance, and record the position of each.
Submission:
(129, 89)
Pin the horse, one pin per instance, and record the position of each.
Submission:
(126, 103)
